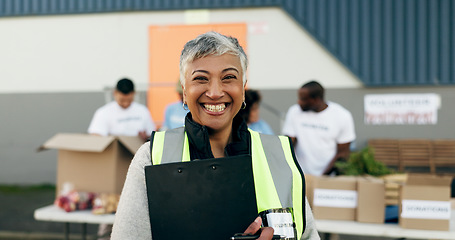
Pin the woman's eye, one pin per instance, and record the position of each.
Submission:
(200, 78)
(230, 77)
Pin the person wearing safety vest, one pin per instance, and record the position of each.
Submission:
(213, 76)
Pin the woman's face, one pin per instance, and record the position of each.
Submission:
(214, 90)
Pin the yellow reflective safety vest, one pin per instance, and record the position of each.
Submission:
(279, 182)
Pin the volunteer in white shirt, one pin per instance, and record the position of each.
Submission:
(123, 117)
(321, 131)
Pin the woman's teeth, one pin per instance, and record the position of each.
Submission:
(215, 108)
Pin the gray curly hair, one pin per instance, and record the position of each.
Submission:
(211, 43)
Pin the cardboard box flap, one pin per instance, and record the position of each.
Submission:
(425, 180)
(339, 182)
(78, 142)
(131, 143)
(372, 179)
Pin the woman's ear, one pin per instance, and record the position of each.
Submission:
(244, 89)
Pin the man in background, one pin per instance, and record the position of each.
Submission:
(123, 117)
(321, 131)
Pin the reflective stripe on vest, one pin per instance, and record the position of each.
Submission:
(275, 149)
(172, 146)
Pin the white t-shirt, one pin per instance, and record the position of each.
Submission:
(111, 119)
(318, 135)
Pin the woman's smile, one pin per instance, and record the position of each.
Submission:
(215, 108)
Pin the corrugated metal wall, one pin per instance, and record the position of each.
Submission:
(383, 42)
(48, 7)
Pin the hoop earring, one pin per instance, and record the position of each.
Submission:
(184, 106)
(243, 105)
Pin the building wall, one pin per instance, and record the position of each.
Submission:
(54, 69)
(86, 52)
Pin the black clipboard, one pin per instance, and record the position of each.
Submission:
(201, 199)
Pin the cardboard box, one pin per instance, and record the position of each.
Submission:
(371, 200)
(425, 203)
(334, 197)
(93, 163)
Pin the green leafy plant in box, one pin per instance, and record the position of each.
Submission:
(361, 163)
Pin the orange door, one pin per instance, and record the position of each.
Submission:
(166, 44)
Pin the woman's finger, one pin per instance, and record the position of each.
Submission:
(254, 226)
(266, 233)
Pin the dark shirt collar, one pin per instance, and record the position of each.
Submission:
(198, 138)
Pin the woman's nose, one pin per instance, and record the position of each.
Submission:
(215, 90)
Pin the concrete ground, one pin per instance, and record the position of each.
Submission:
(17, 205)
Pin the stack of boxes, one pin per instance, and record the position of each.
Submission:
(393, 183)
(424, 201)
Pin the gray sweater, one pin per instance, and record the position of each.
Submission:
(132, 217)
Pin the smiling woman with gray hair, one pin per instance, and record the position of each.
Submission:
(212, 72)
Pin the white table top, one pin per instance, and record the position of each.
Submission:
(53, 213)
(392, 230)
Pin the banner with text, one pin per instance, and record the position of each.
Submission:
(400, 109)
